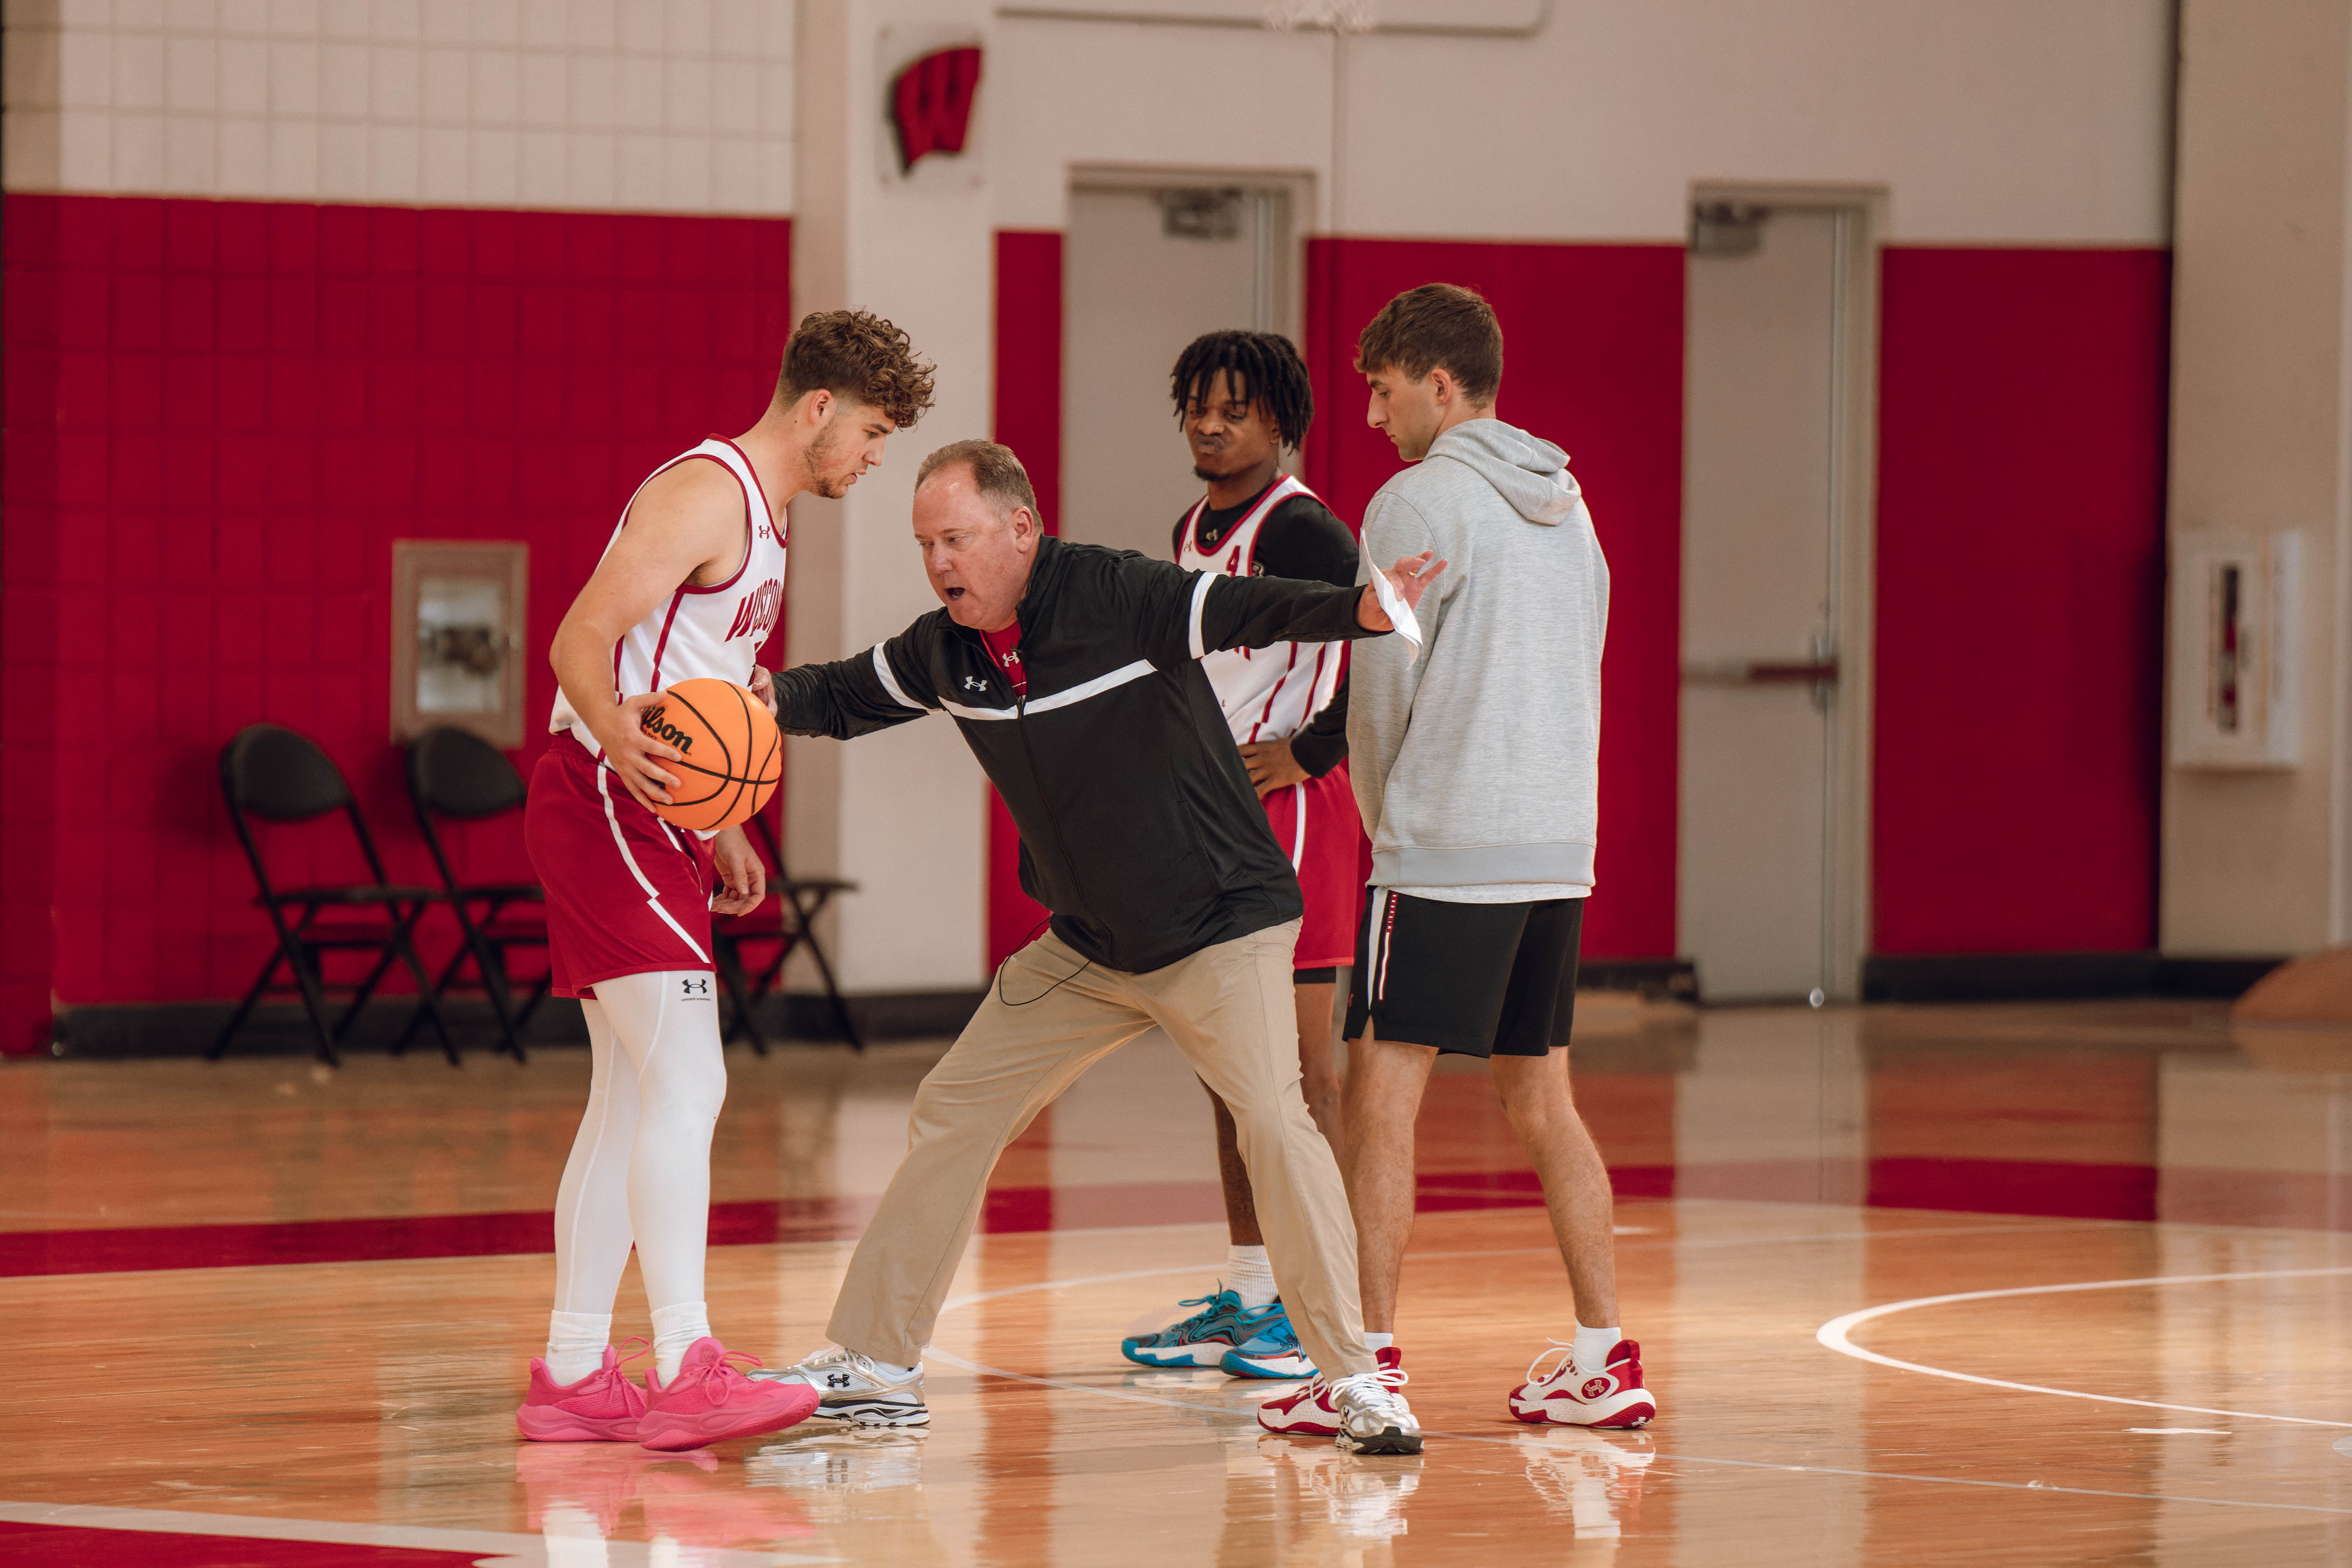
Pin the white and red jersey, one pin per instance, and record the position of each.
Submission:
(1267, 693)
(714, 631)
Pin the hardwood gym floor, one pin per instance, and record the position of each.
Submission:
(1998, 1285)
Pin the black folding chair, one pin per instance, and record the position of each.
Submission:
(794, 925)
(270, 772)
(456, 773)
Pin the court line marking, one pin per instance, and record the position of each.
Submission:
(1693, 1241)
(498, 1548)
(1833, 1334)
(1225, 1416)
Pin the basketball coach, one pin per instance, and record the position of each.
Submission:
(1072, 672)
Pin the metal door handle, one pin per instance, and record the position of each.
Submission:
(1760, 672)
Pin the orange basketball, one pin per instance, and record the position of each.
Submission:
(734, 758)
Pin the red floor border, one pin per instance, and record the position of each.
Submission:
(2051, 1189)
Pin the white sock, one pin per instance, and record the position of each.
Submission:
(1592, 1348)
(575, 1344)
(1250, 1276)
(1378, 1342)
(676, 1328)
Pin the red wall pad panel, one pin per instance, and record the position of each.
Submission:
(1593, 361)
(218, 416)
(1028, 420)
(2021, 539)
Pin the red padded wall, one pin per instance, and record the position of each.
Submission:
(1029, 420)
(1593, 361)
(2021, 549)
(219, 414)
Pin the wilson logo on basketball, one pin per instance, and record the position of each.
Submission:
(662, 730)
(756, 615)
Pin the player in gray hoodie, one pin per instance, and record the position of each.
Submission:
(1476, 770)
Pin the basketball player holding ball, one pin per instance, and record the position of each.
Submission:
(1242, 398)
(688, 588)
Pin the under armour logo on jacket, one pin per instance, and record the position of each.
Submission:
(696, 985)
(974, 683)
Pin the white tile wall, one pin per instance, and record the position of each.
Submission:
(640, 105)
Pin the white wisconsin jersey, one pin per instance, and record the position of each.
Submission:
(1267, 693)
(715, 631)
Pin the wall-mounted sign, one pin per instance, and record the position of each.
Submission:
(930, 104)
(457, 622)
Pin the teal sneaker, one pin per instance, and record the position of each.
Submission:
(1265, 1345)
(1201, 1340)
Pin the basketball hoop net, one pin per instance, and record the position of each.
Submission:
(1322, 15)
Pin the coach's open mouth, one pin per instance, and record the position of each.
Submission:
(955, 593)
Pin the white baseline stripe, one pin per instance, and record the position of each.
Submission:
(1834, 1332)
(1200, 602)
(1198, 1408)
(890, 682)
(1079, 693)
(621, 841)
(499, 1548)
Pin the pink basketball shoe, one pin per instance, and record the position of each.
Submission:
(711, 1401)
(601, 1407)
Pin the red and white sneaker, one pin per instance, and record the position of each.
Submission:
(1612, 1397)
(1364, 1414)
(1307, 1411)
(603, 1408)
(711, 1401)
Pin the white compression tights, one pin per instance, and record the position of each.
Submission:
(640, 1165)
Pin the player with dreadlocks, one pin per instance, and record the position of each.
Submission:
(1242, 398)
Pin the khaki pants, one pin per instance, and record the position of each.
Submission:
(1051, 1016)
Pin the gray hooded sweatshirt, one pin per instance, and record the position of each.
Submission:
(1476, 765)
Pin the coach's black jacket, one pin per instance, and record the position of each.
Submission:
(1139, 829)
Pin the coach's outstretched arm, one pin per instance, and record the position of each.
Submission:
(856, 696)
(1256, 612)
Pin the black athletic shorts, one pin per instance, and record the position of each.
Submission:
(1476, 980)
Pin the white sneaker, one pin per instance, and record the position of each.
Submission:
(1373, 1417)
(851, 1388)
(1612, 1397)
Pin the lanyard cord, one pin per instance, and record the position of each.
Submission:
(1049, 990)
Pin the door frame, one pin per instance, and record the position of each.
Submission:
(1295, 187)
(1861, 211)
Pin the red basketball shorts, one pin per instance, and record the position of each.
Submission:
(626, 892)
(1316, 825)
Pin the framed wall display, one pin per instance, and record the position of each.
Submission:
(458, 621)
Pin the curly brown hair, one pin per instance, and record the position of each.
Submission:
(1437, 324)
(859, 356)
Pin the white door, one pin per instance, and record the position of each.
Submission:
(1147, 271)
(1764, 454)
